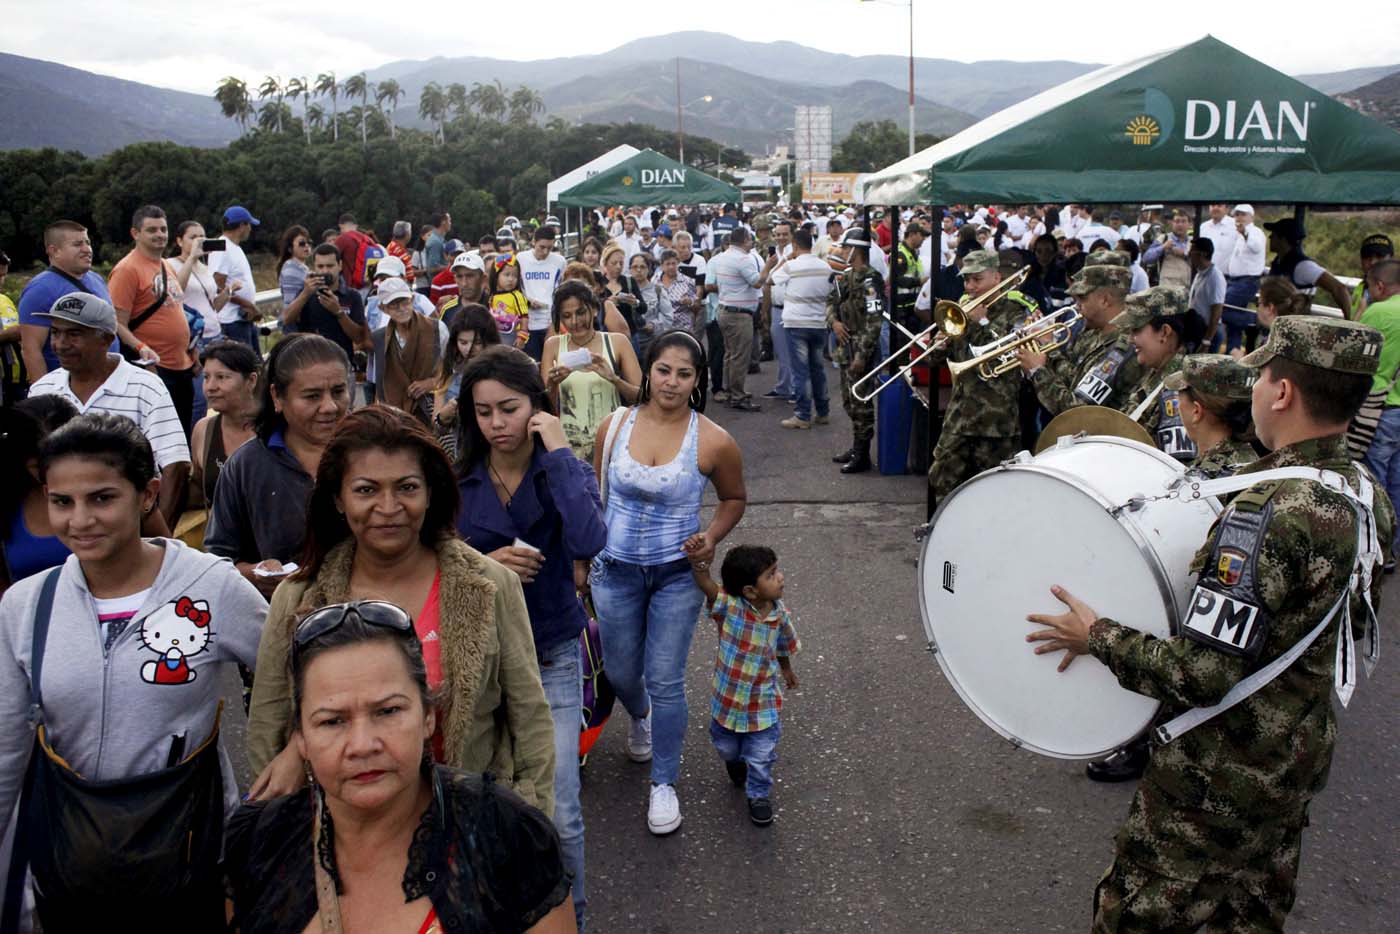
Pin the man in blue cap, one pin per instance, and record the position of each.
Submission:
(238, 318)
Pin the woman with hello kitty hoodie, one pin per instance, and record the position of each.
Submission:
(141, 630)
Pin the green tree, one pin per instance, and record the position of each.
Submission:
(389, 93)
(326, 85)
(874, 144)
(359, 86)
(315, 119)
(524, 103)
(232, 95)
(432, 106)
(527, 189)
(489, 100)
(457, 100)
(297, 87)
(272, 87)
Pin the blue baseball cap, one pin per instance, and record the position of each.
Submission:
(664, 230)
(238, 214)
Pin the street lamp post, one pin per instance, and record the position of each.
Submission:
(910, 4)
(680, 128)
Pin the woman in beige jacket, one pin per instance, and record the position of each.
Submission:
(380, 526)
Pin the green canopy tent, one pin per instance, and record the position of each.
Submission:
(1201, 123)
(649, 178)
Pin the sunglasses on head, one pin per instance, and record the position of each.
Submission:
(379, 613)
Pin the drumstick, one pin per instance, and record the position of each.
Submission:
(1146, 403)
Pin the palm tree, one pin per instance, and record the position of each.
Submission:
(315, 119)
(457, 100)
(326, 84)
(272, 87)
(432, 106)
(489, 100)
(524, 104)
(297, 87)
(389, 91)
(232, 95)
(359, 86)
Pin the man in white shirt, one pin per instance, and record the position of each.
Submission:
(829, 240)
(1017, 224)
(540, 270)
(237, 318)
(801, 285)
(1071, 220)
(81, 328)
(629, 239)
(738, 278)
(1221, 231)
(1207, 293)
(1092, 230)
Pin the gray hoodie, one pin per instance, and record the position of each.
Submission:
(114, 716)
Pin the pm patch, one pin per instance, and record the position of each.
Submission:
(1229, 567)
(1225, 622)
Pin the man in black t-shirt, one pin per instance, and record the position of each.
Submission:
(325, 308)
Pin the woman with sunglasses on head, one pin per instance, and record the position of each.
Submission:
(528, 502)
(388, 841)
(258, 517)
(586, 393)
(380, 526)
(653, 461)
(472, 331)
(140, 634)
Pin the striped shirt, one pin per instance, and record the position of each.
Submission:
(736, 274)
(136, 394)
(801, 285)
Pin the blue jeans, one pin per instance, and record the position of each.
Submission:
(808, 370)
(759, 750)
(561, 671)
(1384, 458)
(1239, 291)
(535, 345)
(781, 352)
(646, 615)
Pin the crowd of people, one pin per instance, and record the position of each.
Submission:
(396, 507)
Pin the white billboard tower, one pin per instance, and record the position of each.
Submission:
(812, 139)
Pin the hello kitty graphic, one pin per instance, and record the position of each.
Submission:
(176, 631)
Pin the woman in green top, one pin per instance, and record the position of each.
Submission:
(585, 394)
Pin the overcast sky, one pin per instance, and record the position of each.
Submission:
(190, 45)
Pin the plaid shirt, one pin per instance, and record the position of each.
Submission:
(747, 689)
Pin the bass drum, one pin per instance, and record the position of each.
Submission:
(998, 543)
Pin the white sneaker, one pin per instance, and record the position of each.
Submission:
(664, 815)
(639, 739)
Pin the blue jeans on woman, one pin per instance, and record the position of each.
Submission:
(561, 672)
(1383, 457)
(647, 615)
(805, 347)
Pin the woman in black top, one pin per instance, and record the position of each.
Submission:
(230, 386)
(385, 840)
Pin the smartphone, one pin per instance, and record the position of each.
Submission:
(325, 278)
(215, 245)
(772, 251)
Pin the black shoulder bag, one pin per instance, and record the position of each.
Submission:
(139, 852)
(161, 287)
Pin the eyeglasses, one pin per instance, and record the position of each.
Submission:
(303, 243)
(330, 618)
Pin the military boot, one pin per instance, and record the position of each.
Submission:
(845, 456)
(860, 459)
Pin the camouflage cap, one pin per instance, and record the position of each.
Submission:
(1211, 374)
(1090, 278)
(1107, 258)
(1329, 343)
(980, 261)
(1160, 301)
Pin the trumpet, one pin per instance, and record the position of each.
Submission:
(1045, 334)
(950, 320)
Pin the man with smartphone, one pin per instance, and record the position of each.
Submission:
(324, 307)
(238, 318)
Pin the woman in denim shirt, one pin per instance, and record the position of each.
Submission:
(529, 503)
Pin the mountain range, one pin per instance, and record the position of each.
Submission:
(753, 89)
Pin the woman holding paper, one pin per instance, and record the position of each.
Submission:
(529, 503)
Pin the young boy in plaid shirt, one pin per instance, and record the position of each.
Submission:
(756, 639)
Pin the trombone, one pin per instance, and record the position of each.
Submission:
(950, 320)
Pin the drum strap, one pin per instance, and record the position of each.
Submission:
(1368, 554)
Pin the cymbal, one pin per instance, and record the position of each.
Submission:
(1092, 420)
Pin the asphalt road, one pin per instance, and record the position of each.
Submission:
(898, 810)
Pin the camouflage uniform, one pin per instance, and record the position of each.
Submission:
(1098, 367)
(981, 427)
(857, 301)
(1212, 837)
(1217, 380)
(1163, 416)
